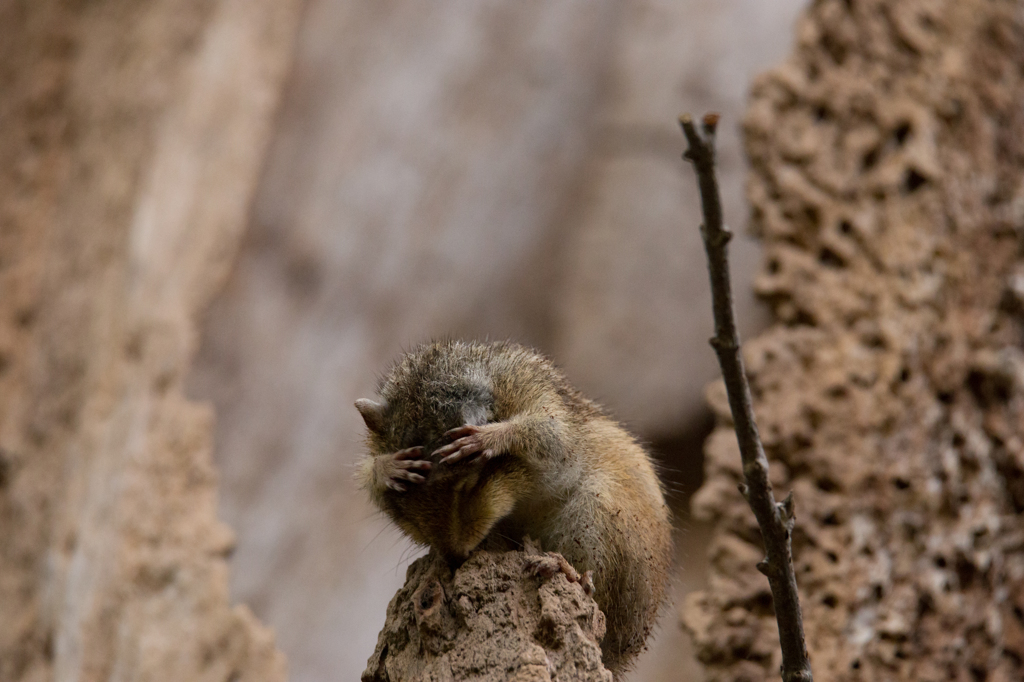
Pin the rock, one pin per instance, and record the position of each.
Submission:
(492, 619)
(886, 175)
(131, 139)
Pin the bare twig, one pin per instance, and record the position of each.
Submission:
(775, 519)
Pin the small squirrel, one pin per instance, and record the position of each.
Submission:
(478, 445)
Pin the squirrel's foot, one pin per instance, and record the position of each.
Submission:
(470, 444)
(401, 467)
(548, 565)
(587, 581)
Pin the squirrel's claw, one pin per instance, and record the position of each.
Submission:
(402, 468)
(548, 565)
(461, 431)
(406, 475)
(409, 453)
(468, 444)
(464, 448)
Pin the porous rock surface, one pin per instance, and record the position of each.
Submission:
(888, 188)
(131, 135)
(494, 618)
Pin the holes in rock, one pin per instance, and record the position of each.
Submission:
(990, 389)
(831, 519)
(1011, 473)
(814, 418)
(906, 46)
(870, 159)
(832, 557)
(820, 113)
(1011, 303)
(380, 661)
(547, 635)
(762, 605)
(812, 215)
(855, 664)
(830, 259)
(904, 375)
(911, 530)
(876, 341)
(774, 266)
(946, 397)
(969, 468)
(901, 133)
(802, 318)
(830, 600)
(427, 598)
(827, 485)
(900, 483)
(836, 50)
(940, 561)
(913, 181)
(6, 469)
(925, 604)
(837, 392)
(965, 572)
(845, 227)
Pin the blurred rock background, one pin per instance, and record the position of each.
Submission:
(131, 138)
(480, 169)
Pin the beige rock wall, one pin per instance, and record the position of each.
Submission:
(131, 137)
(888, 186)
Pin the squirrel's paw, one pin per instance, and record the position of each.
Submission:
(548, 565)
(470, 443)
(401, 468)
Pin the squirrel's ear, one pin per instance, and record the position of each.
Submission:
(373, 414)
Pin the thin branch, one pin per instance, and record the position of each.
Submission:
(775, 519)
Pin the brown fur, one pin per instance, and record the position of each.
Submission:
(563, 473)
